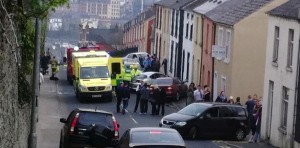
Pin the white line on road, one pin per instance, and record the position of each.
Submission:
(133, 119)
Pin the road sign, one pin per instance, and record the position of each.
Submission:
(218, 51)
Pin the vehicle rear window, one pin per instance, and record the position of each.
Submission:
(193, 109)
(156, 137)
(163, 82)
(88, 118)
(141, 76)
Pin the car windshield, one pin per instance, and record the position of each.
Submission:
(141, 76)
(93, 72)
(164, 82)
(193, 109)
(88, 118)
(156, 137)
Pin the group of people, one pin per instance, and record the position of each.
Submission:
(198, 94)
(151, 63)
(254, 108)
(144, 95)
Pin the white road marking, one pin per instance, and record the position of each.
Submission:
(133, 119)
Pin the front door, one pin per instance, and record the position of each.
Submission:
(210, 123)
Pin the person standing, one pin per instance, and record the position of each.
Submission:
(190, 94)
(250, 104)
(138, 95)
(135, 72)
(231, 101)
(54, 65)
(145, 94)
(41, 80)
(198, 95)
(257, 118)
(154, 99)
(206, 93)
(161, 102)
(221, 97)
(165, 64)
(119, 92)
(238, 101)
(125, 97)
(44, 64)
(156, 65)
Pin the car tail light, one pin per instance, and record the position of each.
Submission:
(169, 88)
(73, 124)
(116, 128)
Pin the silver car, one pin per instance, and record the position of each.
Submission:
(147, 77)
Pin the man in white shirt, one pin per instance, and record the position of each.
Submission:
(198, 94)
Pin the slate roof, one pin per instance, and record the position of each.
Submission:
(288, 10)
(233, 11)
(174, 4)
(194, 4)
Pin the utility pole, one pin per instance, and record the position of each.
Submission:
(32, 142)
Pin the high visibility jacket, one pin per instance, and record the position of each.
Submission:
(126, 75)
(54, 64)
(135, 73)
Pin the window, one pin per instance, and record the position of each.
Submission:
(191, 32)
(212, 113)
(192, 17)
(188, 15)
(187, 31)
(172, 28)
(228, 43)
(176, 26)
(284, 107)
(290, 48)
(171, 61)
(220, 37)
(188, 66)
(276, 45)
(226, 112)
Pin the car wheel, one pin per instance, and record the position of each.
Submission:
(239, 134)
(80, 98)
(193, 133)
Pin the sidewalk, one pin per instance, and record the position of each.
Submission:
(234, 144)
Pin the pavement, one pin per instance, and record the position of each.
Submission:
(234, 144)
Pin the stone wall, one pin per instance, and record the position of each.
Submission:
(14, 120)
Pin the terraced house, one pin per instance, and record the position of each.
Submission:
(281, 108)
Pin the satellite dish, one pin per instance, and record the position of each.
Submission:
(76, 48)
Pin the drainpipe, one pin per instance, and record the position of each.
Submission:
(213, 67)
(201, 49)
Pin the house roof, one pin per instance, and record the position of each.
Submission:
(174, 4)
(289, 10)
(208, 5)
(194, 4)
(233, 11)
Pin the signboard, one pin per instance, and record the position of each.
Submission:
(218, 51)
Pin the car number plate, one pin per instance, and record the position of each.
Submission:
(96, 96)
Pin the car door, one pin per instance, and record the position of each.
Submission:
(210, 123)
(228, 117)
(66, 127)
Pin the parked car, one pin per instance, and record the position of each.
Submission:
(139, 56)
(209, 120)
(147, 77)
(86, 127)
(174, 88)
(151, 137)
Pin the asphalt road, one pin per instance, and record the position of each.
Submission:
(57, 100)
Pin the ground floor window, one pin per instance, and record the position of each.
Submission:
(285, 102)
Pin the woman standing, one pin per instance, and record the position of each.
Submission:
(145, 94)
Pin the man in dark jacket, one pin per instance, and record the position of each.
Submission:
(138, 95)
(154, 99)
(119, 91)
(161, 102)
(145, 94)
(125, 97)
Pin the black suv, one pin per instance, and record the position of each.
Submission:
(209, 120)
(86, 127)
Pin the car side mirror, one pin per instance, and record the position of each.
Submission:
(63, 120)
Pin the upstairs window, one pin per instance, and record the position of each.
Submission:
(290, 48)
(191, 33)
(276, 45)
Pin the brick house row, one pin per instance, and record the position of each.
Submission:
(241, 47)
